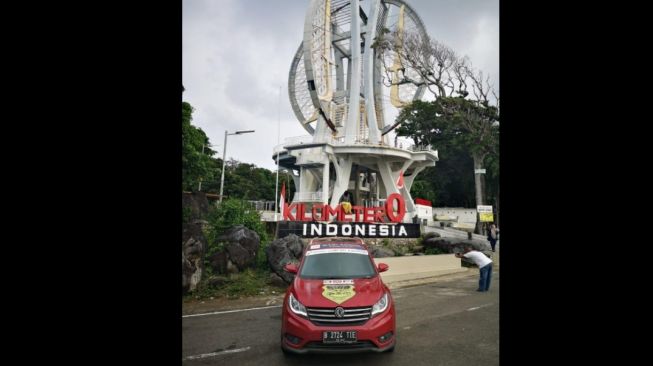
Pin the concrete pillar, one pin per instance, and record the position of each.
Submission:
(368, 65)
(353, 115)
(342, 167)
(325, 183)
(357, 192)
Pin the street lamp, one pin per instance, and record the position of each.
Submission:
(224, 157)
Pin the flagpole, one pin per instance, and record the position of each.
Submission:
(276, 186)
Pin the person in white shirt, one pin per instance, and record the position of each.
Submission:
(484, 265)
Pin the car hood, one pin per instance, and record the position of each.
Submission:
(315, 293)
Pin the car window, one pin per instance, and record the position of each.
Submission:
(337, 265)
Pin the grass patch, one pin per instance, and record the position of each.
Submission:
(250, 282)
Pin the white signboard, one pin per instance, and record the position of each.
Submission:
(483, 209)
(479, 171)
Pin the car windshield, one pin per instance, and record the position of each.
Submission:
(337, 265)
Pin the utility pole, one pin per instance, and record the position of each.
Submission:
(224, 158)
(276, 186)
(478, 185)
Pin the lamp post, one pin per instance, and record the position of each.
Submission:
(277, 200)
(224, 158)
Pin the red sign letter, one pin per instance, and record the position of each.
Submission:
(401, 207)
(286, 211)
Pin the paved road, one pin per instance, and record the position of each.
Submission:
(442, 323)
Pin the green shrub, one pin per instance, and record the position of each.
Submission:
(247, 283)
(262, 258)
(234, 212)
(230, 213)
(434, 251)
(186, 214)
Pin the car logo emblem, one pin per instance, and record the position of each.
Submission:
(340, 312)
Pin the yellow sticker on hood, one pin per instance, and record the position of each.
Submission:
(338, 293)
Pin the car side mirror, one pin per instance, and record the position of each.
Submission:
(383, 267)
(290, 267)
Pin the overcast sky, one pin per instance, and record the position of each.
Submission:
(237, 53)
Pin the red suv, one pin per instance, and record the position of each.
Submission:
(337, 301)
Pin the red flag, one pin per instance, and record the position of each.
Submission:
(400, 181)
(282, 200)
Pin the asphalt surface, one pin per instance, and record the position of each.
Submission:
(443, 323)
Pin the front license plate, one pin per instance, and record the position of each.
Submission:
(338, 336)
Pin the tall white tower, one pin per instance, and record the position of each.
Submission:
(338, 94)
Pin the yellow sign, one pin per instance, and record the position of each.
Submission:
(485, 213)
(338, 293)
(486, 217)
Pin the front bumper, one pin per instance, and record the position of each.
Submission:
(310, 335)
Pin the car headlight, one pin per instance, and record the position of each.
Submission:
(380, 305)
(296, 306)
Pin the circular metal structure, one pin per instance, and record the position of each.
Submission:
(319, 81)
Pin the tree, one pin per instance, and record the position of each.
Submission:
(246, 181)
(448, 184)
(454, 124)
(470, 126)
(456, 118)
(242, 180)
(196, 153)
(211, 183)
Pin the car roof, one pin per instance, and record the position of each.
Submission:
(335, 242)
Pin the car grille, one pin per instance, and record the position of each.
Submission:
(360, 345)
(327, 316)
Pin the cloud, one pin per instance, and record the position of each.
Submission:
(237, 53)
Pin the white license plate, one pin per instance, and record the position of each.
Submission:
(339, 336)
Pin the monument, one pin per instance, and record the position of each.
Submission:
(340, 96)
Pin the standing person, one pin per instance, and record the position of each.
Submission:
(484, 265)
(492, 236)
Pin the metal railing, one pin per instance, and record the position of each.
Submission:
(374, 203)
(420, 148)
(262, 205)
(295, 140)
(307, 197)
(340, 141)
